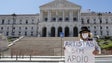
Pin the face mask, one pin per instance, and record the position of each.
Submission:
(85, 35)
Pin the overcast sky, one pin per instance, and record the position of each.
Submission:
(32, 6)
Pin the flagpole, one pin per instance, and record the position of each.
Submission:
(61, 47)
(61, 35)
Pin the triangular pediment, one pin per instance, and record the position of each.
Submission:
(60, 4)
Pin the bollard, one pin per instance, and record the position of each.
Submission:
(0, 55)
(22, 56)
(16, 57)
(30, 57)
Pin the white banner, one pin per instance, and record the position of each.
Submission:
(79, 52)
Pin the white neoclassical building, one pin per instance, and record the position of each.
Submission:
(55, 17)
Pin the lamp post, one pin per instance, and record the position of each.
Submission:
(38, 34)
(13, 23)
(100, 19)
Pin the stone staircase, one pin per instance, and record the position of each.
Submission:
(40, 46)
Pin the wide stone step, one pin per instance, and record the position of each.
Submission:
(42, 46)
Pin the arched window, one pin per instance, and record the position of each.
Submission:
(44, 32)
(53, 32)
(66, 32)
(75, 32)
(59, 30)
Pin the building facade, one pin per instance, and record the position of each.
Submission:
(55, 17)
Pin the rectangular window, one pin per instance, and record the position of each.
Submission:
(14, 22)
(37, 19)
(67, 19)
(32, 21)
(19, 28)
(8, 21)
(88, 21)
(82, 21)
(100, 21)
(7, 33)
(95, 32)
(60, 19)
(25, 33)
(3, 21)
(106, 19)
(107, 32)
(14, 28)
(20, 21)
(46, 19)
(106, 27)
(32, 28)
(100, 27)
(31, 33)
(26, 28)
(13, 33)
(88, 27)
(94, 19)
(1, 28)
(26, 21)
(101, 32)
(7, 28)
(94, 22)
(94, 27)
(106, 22)
(74, 19)
(19, 33)
(53, 19)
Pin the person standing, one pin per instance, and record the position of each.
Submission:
(86, 35)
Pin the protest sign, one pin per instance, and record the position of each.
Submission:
(79, 52)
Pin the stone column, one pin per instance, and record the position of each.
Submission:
(48, 31)
(41, 15)
(56, 16)
(71, 15)
(79, 16)
(56, 32)
(63, 15)
(63, 30)
(71, 31)
(49, 15)
(40, 32)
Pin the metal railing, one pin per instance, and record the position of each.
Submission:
(49, 59)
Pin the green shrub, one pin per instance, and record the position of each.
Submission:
(105, 43)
